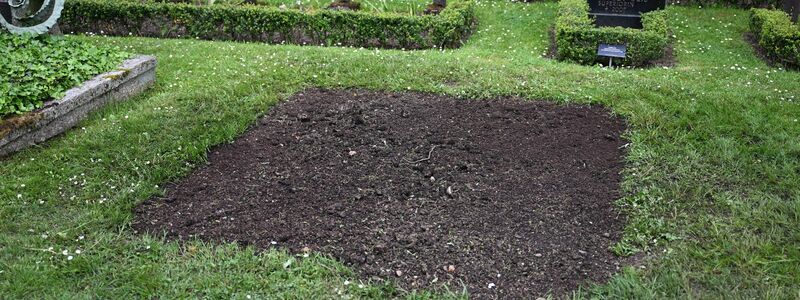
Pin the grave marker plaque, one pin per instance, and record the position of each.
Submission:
(610, 50)
(625, 13)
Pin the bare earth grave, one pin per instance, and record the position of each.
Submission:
(509, 198)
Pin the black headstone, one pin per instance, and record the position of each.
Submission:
(5, 10)
(625, 13)
(792, 7)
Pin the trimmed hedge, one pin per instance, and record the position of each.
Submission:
(577, 38)
(775, 32)
(731, 3)
(269, 24)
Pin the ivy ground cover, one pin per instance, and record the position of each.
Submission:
(36, 69)
(711, 182)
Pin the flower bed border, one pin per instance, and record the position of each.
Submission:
(131, 78)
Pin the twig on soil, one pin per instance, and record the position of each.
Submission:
(424, 159)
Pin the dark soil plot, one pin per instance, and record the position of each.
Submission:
(511, 198)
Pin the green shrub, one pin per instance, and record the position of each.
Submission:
(775, 32)
(269, 24)
(37, 69)
(577, 38)
(731, 3)
(397, 6)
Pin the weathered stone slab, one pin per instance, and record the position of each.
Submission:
(131, 78)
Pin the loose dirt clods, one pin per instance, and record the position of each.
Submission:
(511, 198)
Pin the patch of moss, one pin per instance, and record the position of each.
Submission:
(120, 73)
(9, 125)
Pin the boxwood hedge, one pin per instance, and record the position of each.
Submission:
(270, 24)
(731, 3)
(577, 38)
(777, 35)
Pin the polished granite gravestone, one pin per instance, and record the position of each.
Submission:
(624, 13)
(5, 10)
(792, 7)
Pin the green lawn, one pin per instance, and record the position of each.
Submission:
(712, 182)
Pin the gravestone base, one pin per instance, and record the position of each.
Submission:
(55, 31)
(609, 20)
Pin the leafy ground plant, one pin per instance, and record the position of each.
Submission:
(712, 188)
(36, 69)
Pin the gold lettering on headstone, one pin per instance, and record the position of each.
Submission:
(618, 6)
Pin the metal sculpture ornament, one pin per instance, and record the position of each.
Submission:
(30, 16)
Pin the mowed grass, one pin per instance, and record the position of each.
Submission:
(712, 187)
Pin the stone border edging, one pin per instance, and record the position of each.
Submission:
(131, 78)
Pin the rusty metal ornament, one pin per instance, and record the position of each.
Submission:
(30, 16)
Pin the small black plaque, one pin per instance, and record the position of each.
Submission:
(608, 50)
